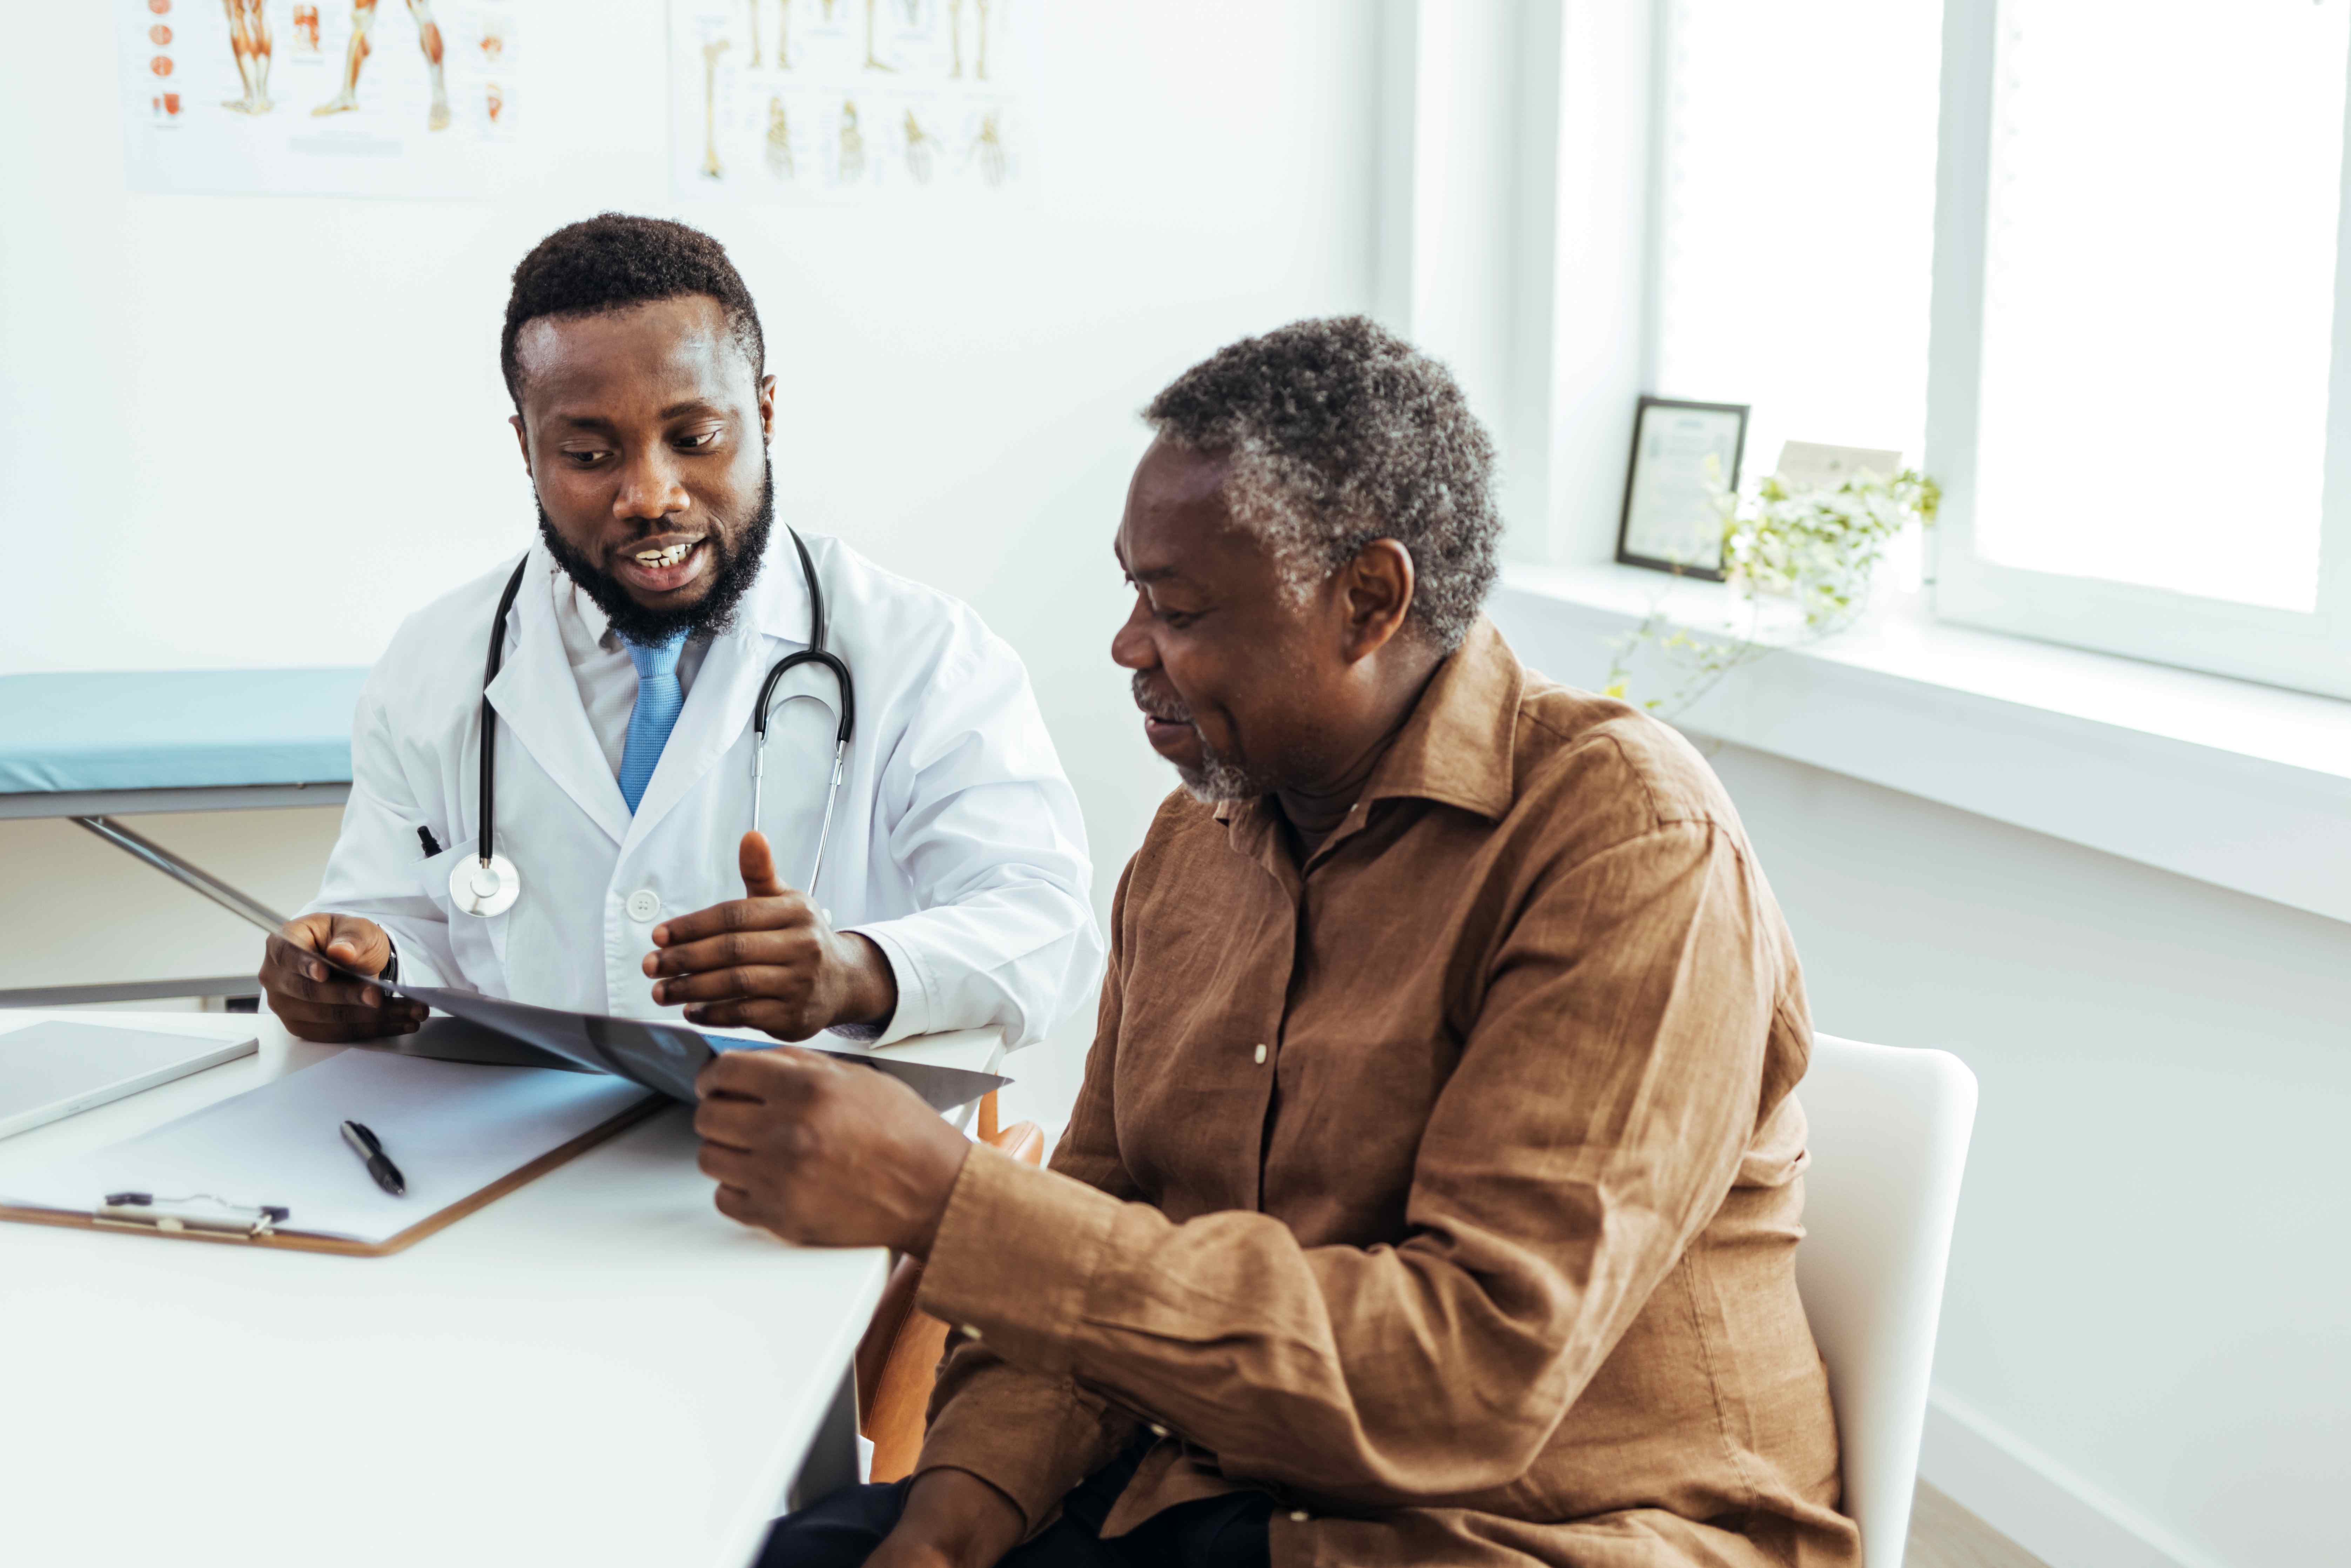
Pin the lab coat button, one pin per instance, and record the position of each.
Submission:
(642, 905)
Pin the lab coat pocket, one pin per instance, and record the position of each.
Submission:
(478, 941)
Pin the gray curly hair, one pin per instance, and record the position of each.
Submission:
(1339, 432)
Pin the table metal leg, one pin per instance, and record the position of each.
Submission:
(832, 1461)
(194, 878)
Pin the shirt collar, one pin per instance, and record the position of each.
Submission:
(1456, 748)
(588, 613)
(1456, 745)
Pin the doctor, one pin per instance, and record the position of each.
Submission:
(626, 873)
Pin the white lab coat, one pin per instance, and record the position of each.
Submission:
(956, 843)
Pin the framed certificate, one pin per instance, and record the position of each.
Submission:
(1669, 523)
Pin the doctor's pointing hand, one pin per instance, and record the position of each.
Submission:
(677, 759)
(770, 960)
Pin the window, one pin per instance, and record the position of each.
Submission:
(1795, 216)
(2137, 272)
(2076, 259)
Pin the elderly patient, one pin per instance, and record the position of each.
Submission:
(1433, 1193)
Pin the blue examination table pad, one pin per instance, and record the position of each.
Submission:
(182, 729)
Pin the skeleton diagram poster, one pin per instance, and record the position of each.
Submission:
(846, 101)
(359, 98)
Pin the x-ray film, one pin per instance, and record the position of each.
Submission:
(666, 1057)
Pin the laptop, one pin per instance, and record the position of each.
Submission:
(54, 1069)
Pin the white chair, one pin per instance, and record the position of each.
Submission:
(1889, 1142)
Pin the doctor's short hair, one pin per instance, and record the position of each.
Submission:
(1339, 432)
(612, 261)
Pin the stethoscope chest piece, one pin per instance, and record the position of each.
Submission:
(484, 887)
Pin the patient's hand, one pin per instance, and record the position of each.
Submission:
(953, 1520)
(315, 1003)
(823, 1151)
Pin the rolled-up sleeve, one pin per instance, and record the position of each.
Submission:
(1602, 1099)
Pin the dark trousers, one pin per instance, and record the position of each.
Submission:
(1227, 1531)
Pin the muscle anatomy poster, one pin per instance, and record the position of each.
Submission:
(361, 98)
(847, 100)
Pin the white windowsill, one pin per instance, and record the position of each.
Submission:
(2244, 786)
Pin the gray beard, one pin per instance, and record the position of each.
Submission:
(1219, 777)
(1221, 780)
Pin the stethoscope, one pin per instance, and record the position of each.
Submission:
(489, 885)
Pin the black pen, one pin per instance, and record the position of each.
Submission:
(365, 1145)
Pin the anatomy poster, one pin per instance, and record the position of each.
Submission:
(359, 98)
(846, 101)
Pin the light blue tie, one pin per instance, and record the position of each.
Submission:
(659, 698)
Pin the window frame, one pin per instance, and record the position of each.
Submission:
(2306, 651)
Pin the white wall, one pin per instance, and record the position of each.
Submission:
(257, 431)
(2150, 1296)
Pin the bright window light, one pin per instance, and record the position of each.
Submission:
(2160, 291)
(1795, 216)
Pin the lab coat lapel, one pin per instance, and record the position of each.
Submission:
(719, 707)
(538, 700)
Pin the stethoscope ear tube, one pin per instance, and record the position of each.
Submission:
(490, 884)
(820, 624)
(819, 627)
(785, 666)
(489, 716)
(840, 735)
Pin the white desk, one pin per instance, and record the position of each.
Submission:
(598, 1368)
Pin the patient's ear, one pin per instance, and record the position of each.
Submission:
(522, 439)
(1375, 589)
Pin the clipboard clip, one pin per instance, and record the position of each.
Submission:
(141, 1211)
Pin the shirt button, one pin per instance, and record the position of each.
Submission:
(1260, 1056)
(642, 905)
(1298, 1516)
(1157, 1430)
(970, 1332)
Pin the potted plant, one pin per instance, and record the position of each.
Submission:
(1812, 546)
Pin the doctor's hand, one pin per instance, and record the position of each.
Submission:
(823, 1151)
(315, 1003)
(768, 961)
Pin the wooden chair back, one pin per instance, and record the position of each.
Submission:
(899, 1357)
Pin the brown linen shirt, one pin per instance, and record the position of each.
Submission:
(1446, 1188)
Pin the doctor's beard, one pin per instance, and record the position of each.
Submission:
(740, 556)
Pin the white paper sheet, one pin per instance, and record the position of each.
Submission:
(453, 1128)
